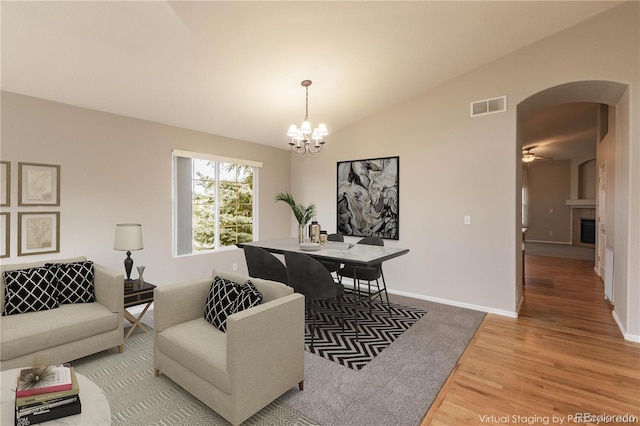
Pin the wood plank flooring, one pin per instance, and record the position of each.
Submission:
(563, 356)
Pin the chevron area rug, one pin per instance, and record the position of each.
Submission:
(376, 330)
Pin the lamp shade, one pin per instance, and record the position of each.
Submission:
(128, 237)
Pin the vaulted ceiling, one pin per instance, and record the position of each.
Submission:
(234, 68)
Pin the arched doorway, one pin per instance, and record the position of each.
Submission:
(601, 92)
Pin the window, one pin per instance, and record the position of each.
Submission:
(214, 202)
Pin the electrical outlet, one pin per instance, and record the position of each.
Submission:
(467, 220)
(235, 267)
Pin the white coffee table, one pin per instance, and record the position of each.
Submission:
(95, 407)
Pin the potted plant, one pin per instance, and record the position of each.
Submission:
(303, 214)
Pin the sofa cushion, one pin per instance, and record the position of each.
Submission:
(29, 290)
(199, 348)
(75, 281)
(34, 331)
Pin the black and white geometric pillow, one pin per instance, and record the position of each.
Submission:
(249, 297)
(29, 290)
(221, 302)
(75, 281)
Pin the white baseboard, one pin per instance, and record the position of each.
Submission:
(627, 336)
(504, 313)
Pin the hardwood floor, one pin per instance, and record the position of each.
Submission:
(563, 356)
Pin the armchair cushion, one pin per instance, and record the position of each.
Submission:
(75, 281)
(227, 297)
(29, 290)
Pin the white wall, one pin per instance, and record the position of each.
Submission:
(117, 169)
(452, 165)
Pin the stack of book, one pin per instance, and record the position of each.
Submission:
(58, 397)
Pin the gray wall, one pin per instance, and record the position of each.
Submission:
(452, 165)
(549, 184)
(117, 169)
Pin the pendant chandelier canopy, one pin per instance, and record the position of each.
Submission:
(301, 137)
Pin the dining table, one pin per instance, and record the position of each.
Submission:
(350, 254)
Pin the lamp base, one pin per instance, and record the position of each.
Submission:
(128, 265)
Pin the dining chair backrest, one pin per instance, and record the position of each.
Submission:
(335, 237)
(372, 241)
(262, 264)
(310, 278)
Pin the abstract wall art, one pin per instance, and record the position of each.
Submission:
(369, 198)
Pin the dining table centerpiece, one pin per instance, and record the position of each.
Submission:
(303, 214)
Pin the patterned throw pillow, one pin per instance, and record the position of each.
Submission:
(221, 302)
(29, 290)
(75, 281)
(249, 297)
(227, 297)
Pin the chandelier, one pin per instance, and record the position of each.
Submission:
(301, 138)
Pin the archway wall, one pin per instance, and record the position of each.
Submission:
(452, 165)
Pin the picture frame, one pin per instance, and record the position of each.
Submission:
(38, 184)
(38, 233)
(5, 223)
(368, 197)
(5, 183)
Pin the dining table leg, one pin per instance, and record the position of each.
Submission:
(356, 290)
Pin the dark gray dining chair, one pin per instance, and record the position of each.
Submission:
(368, 274)
(333, 266)
(262, 264)
(310, 278)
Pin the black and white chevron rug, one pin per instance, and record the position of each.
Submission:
(376, 330)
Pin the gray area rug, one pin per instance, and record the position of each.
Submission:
(396, 388)
(399, 385)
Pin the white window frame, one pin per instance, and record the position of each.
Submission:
(256, 165)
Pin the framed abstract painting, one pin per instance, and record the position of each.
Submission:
(369, 198)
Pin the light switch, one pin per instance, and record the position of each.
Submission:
(467, 220)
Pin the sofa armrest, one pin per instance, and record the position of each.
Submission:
(177, 303)
(109, 288)
(265, 345)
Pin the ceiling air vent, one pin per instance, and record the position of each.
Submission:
(488, 106)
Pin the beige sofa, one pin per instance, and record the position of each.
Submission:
(239, 372)
(68, 332)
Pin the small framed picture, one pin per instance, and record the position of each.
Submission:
(4, 235)
(38, 233)
(38, 184)
(5, 183)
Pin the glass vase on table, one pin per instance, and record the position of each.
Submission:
(140, 282)
(301, 232)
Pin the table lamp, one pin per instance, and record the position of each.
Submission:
(128, 237)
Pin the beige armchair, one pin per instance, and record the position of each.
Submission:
(239, 372)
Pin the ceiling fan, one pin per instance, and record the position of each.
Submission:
(528, 156)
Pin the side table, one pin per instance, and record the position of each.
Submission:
(138, 294)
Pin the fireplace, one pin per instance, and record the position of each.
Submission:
(587, 231)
